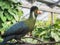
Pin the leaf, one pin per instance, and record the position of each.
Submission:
(55, 36)
(8, 16)
(4, 5)
(11, 12)
(5, 26)
(15, 1)
(14, 21)
(58, 33)
(15, 14)
(1, 13)
(1, 3)
(19, 13)
(3, 18)
(1, 39)
(42, 33)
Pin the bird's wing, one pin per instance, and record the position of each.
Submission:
(16, 29)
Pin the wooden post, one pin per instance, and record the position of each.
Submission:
(52, 18)
(52, 23)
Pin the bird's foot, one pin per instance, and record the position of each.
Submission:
(20, 42)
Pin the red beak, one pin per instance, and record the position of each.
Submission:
(39, 12)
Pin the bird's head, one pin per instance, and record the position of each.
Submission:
(35, 11)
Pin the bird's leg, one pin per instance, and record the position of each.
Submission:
(18, 38)
(30, 34)
(20, 41)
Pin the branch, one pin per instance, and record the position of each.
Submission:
(49, 3)
(43, 9)
(32, 44)
(34, 38)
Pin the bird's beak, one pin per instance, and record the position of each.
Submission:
(39, 12)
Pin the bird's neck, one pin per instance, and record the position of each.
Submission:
(32, 15)
(32, 18)
(31, 21)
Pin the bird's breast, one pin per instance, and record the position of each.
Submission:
(30, 24)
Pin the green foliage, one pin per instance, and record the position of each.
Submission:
(9, 13)
(44, 32)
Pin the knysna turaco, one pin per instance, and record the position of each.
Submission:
(21, 28)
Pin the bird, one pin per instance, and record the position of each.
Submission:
(20, 29)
